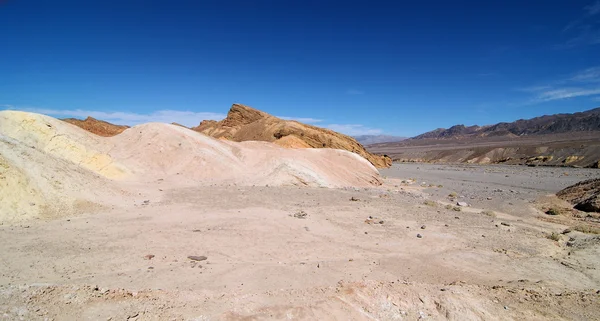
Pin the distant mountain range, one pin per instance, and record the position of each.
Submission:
(376, 139)
(543, 125)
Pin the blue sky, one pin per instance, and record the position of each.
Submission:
(360, 67)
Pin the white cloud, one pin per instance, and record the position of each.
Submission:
(354, 129)
(306, 120)
(354, 92)
(534, 89)
(579, 84)
(186, 118)
(587, 75)
(564, 93)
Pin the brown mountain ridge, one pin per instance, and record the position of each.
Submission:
(585, 121)
(98, 127)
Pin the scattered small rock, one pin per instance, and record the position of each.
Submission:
(419, 236)
(301, 215)
(423, 227)
(374, 220)
(462, 204)
(354, 199)
(505, 224)
(566, 231)
(197, 258)
(149, 257)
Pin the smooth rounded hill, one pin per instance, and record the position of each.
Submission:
(244, 123)
(49, 168)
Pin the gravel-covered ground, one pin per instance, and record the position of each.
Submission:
(395, 252)
(500, 187)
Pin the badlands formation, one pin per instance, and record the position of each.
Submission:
(160, 222)
(49, 167)
(244, 123)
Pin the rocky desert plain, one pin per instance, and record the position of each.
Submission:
(258, 218)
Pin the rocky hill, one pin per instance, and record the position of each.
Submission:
(584, 195)
(550, 124)
(98, 127)
(244, 123)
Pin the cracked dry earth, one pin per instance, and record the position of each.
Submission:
(353, 256)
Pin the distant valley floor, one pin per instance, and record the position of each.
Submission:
(574, 149)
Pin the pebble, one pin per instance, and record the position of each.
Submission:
(462, 204)
(505, 224)
(149, 257)
(419, 236)
(197, 258)
(423, 227)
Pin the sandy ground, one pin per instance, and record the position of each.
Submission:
(355, 255)
(163, 223)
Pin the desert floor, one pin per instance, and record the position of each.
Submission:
(314, 253)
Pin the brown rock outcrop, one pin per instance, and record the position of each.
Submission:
(244, 123)
(98, 127)
(584, 195)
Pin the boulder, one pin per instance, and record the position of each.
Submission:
(585, 195)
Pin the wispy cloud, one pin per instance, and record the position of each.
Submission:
(582, 83)
(486, 74)
(587, 75)
(583, 31)
(186, 118)
(354, 92)
(306, 120)
(564, 93)
(354, 129)
(534, 89)
(592, 9)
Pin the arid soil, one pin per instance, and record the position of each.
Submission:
(401, 251)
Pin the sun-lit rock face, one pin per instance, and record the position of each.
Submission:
(244, 123)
